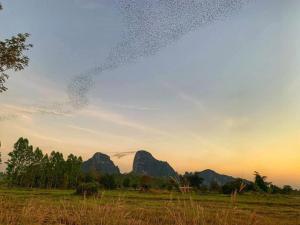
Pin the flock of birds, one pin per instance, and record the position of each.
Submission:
(151, 25)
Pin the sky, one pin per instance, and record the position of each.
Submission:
(223, 95)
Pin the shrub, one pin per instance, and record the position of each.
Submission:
(108, 182)
(126, 182)
(90, 188)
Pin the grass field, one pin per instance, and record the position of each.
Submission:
(35, 206)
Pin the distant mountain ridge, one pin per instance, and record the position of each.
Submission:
(145, 164)
(210, 176)
(100, 163)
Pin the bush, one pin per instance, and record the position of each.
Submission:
(90, 188)
(108, 182)
(126, 182)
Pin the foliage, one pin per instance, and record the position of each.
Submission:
(193, 180)
(126, 182)
(273, 189)
(287, 189)
(90, 188)
(238, 185)
(108, 181)
(31, 168)
(145, 182)
(261, 183)
(214, 187)
(12, 55)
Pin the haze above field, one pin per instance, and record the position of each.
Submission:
(225, 96)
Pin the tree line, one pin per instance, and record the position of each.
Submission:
(29, 167)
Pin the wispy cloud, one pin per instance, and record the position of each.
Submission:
(120, 155)
(12, 112)
(183, 95)
(98, 134)
(119, 120)
(190, 99)
(133, 107)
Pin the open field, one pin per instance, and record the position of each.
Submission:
(35, 206)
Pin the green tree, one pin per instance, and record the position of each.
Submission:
(58, 168)
(29, 168)
(238, 185)
(73, 170)
(261, 183)
(12, 56)
(108, 181)
(275, 189)
(46, 171)
(126, 182)
(20, 159)
(214, 186)
(145, 182)
(0, 143)
(287, 189)
(194, 180)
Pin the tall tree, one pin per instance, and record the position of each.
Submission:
(261, 182)
(12, 55)
(193, 180)
(20, 159)
(73, 170)
(29, 168)
(57, 164)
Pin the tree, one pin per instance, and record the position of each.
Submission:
(275, 189)
(32, 177)
(73, 170)
(29, 168)
(194, 180)
(145, 182)
(238, 185)
(12, 55)
(261, 183)
(57, 164)
(108, 181)
(126, 182)
(20, 159)
(287, 189)
(214, 186)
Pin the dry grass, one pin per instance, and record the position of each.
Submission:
(16, 210)
(90, 212)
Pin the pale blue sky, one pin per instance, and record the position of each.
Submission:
(218, 97)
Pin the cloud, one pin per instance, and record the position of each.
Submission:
(12, 112)
(133, 107)
(196, 102)
(190, 99)
(97, 133)
(118, 119)
(120, 155)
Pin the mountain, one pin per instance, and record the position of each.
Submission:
(100, 163)
(145, 164)
(209, 176)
